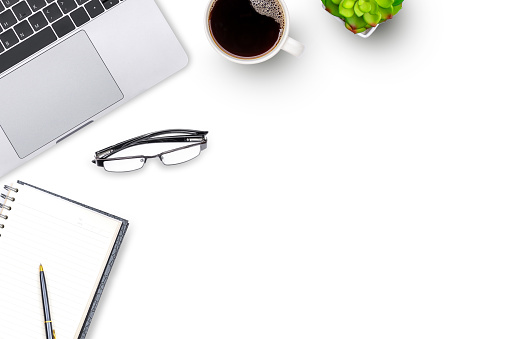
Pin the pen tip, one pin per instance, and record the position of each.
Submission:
(40, 268)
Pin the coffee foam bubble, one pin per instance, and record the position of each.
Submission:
(270, 8)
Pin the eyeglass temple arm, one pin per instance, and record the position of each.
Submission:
(146, 138)
(154, 134)
(151, 141)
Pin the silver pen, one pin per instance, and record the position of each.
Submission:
(50, 332)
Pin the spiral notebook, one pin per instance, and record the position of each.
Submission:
(77, 246)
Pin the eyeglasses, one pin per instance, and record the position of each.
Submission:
(180, 146)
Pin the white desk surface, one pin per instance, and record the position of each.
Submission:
(359, 191)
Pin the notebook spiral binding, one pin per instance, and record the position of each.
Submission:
(3, 206)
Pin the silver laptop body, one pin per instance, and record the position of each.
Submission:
(96, 55)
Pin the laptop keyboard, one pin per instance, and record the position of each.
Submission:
(27, 26)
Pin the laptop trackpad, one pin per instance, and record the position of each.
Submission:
(55, 92)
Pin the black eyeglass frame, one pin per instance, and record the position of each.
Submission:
(185, 135)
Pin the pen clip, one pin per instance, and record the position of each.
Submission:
(54, 335)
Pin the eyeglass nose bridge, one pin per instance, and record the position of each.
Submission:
(160, 156)
(146, 157)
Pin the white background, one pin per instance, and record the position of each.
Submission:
(359, 191)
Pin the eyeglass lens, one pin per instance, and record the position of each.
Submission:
(124, 165)
(180, 156)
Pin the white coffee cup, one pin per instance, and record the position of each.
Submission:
(285, 43)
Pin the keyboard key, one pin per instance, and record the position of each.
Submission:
(21, 10)
(26, 48)
(63, 26)
(80, 17)
(7, 19)
(23, 30)
(36, 5)
(67, 5)
(9, 39)
(110, 3)
(38, 21)
(52, 12)
(94, 8)
(9, 3)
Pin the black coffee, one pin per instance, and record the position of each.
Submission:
(246, 28)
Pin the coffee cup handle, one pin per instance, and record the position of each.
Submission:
(293, 47)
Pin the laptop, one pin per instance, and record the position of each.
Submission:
(66, 63)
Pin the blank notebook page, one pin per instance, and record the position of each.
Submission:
(72, 243)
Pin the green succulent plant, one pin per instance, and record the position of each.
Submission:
(360, 15)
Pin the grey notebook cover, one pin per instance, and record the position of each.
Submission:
(109, 265)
